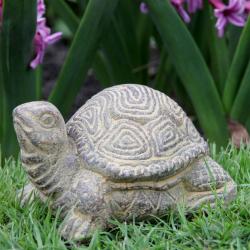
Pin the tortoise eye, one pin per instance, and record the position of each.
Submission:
(48, 120)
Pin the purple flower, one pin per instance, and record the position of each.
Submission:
(144, 8)
(194, 5)
(247, 7)
(43, 36)
(40, 8)
(232, 13)
(178, 4)
(1, 11)
(42, 39)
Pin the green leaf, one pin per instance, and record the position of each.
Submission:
(234, 34)
(219, 56)
(116, 51)
(240, 108)
(18, 80)
(164, 74)
(144, 33)
(82, 53)
(237, 68)
(199, 26)
(2, 114)
(102, 69)
(248, 124)
(191, 69)
(126, 24)
(100, 65)
(64, 11)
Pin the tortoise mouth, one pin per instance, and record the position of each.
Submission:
(22, 133)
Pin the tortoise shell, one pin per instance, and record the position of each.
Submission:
(131, 132)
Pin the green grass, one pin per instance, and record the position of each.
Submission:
(34, 227)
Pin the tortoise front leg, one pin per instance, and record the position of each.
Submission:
(28, 193)
(78, 226)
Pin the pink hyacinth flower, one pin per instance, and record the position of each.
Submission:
(40, 8)
(42, 39)
(178, 4)
(232, 13)
(247, 7)
(1, 11)
(43, 36)
(194, 5)
(144, 8)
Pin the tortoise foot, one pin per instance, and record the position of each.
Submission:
(77, 226)
(28, 193)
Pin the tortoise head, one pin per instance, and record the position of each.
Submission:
(40, 128)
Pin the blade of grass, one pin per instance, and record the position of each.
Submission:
(237, 68)
(82, 53)
(191, 69)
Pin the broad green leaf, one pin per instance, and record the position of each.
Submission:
(219, 55)
(82, 52)
(68, 16)
(38, 82)
(164, 76)
(100, 65)
(199, 30)
(237, 68)
(2, 114)
(144, 34)
(234, 34)
(82, 5)
(240, 108)
(18, 80)
(125, 23)
(116, 54)
(248, 124)
(191, 69)
(102, 69)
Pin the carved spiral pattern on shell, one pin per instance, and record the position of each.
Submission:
(131, 132)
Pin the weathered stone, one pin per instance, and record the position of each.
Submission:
(129, 152)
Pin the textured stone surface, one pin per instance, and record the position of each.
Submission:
(129, 152)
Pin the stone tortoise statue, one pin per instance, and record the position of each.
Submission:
(129, 152)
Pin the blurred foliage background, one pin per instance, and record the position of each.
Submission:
(114, 42)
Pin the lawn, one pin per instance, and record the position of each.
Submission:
(34, 227)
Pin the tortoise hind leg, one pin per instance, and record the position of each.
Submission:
(78, 226)
(206, 175)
